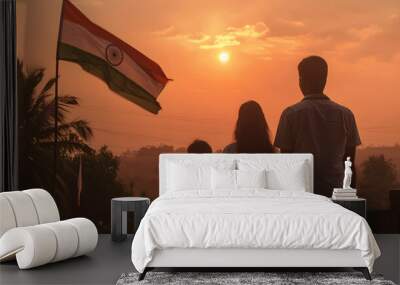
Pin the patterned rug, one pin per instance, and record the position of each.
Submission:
(244, 278)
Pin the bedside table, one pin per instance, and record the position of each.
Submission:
(119, 208)
(357, 205)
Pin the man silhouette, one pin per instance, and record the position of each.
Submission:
(319, 126)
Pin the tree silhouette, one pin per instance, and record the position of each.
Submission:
(138, 170)
(378, 176)
(36, 131)
(99, 186)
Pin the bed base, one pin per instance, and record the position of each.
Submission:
(363, 270)
(246, 259)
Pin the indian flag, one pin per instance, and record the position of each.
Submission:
(126, 71)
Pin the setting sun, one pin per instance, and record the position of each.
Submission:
(223, 57)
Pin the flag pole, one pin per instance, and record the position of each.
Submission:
(56, 98)
(79, 184)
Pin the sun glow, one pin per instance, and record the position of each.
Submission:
(224, 57)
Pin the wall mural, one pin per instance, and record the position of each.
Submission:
(219, 56)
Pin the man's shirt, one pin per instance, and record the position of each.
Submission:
(324, 128)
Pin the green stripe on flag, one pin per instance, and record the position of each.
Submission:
(115, 80)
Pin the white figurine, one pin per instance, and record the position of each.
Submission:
(347, 174)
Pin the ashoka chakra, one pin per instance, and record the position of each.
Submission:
(114, 55)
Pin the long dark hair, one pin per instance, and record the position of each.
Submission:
(252, 131)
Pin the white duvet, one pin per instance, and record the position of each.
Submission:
(250, 219)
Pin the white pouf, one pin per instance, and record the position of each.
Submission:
(31, 232)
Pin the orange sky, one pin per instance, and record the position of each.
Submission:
(266, 40)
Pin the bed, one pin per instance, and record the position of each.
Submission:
(246, 211)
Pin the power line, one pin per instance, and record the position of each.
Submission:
(129, 134)
(211, 120)
(179, 118)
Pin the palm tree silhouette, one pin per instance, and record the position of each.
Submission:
(36, 131)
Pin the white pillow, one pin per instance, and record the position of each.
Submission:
(251, 178)
(223, 179)
(292, 179)
(193, 174)
(184, 177)
(281, 175)
(227, 179)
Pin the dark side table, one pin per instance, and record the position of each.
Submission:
(357, 205)
(119, 208)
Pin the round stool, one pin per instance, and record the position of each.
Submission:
(119, 208)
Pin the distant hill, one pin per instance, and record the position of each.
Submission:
(138, 169)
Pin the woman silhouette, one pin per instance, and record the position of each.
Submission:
(252, 131)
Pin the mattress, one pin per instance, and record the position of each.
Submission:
(251, 219)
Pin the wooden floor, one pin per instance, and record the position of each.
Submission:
(110, 259)
(103, 266)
